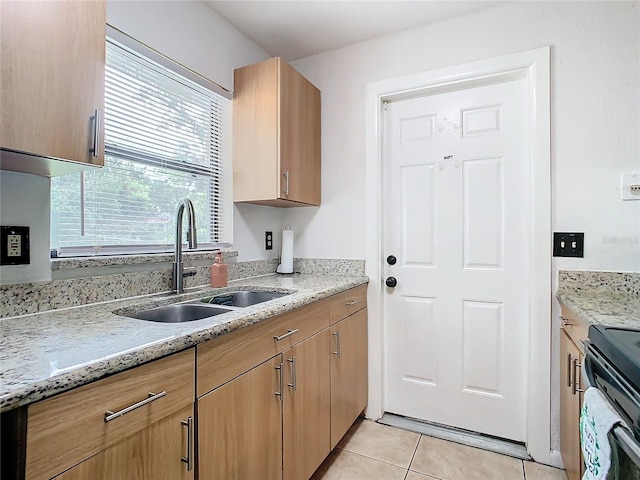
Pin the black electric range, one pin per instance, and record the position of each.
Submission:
(613, 366)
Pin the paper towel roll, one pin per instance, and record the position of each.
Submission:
(286, 257)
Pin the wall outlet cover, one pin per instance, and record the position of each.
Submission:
(630, 186)
(14, 245)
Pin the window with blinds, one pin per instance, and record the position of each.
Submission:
(165, 139)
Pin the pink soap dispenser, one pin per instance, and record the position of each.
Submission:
(219, 272)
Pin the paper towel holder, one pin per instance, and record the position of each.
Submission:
(288, 267)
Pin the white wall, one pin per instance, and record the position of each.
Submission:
(595, 120)
(193, 35)
(24, 201)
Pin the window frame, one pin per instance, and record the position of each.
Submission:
(226, 186)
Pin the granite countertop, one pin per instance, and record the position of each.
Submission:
(47, 353)
(602, 298)
(603, 308)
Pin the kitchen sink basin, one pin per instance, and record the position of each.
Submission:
(178, 313)
(242, 298)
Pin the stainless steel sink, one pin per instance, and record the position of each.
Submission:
(242, 298)
(178, 313)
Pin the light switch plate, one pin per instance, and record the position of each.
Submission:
(568, 244)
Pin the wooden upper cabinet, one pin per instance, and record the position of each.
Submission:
(276, 136)
(52, 72)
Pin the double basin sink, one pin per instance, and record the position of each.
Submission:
(205, 307)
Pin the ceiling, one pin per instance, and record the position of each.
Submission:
(297, 29)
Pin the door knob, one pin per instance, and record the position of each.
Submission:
(391, 282)
(391, 260)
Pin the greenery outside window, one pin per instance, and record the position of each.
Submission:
(166, 138)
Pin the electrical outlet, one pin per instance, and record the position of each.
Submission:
(568, 244)
(630, 186)
(14, 245)
(268, 240)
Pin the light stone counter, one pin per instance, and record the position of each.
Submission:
(51, 352)
(602, 298)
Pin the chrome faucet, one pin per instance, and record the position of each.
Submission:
(178, 270)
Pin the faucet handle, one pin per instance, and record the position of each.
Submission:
(189, 271)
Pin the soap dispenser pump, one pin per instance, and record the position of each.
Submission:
(219, 272)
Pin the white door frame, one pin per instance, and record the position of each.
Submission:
(534, 65)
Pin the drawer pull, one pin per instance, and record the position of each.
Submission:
(189, 458)
(565, 321)
(109, 415)
(351, 303)
(289, 333)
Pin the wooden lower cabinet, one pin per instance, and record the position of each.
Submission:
(240, 427)
(349, 386)
(155, 452)
(306, 406)
(570, 403)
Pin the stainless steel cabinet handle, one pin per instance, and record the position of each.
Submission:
(568, 370)
(294, 382)
(575, 388)
(279, 368)
(286, 182)
(289, 332)
(337, 352)
(109, 415)
(95, 143)
(564, 321)
(189, 458)
(351, 303)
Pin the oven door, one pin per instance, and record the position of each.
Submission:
(598, 373)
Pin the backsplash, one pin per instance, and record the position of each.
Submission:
(25, 298)
(627, 283)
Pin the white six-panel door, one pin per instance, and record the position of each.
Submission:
(455, 208)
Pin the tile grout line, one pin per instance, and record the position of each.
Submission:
(370, 458)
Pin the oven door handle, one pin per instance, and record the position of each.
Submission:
(627, 443)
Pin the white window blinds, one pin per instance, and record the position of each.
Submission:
(165, 139)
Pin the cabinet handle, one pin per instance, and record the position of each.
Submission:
(575, 388)
(189, 458)
(337, 352)
(95, 143)
(286, 182)
(351, 303)
(289, 332)
(279, 368)
(568, 370)
(109, 415)
(294, 382)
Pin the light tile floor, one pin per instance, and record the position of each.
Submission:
(371, 451)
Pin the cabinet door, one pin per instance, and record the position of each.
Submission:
(53, 61)
(153, 453)
(569, 408)
(306, 419)
(349, 387)
(240, 427)
(299, 138)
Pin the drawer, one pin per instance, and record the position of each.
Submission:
(577, 330)
(346, 303)
(68, 428)
(228, 356)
